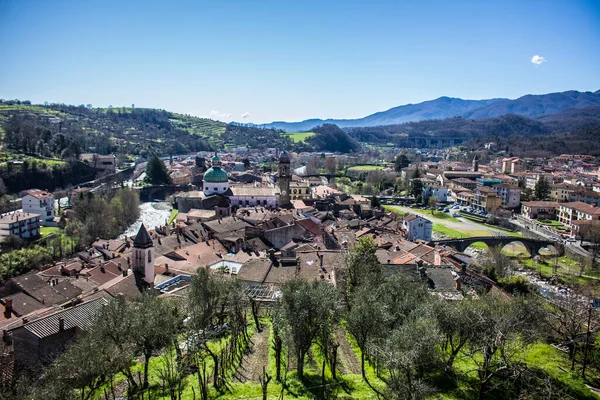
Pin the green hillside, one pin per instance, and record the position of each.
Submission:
(300, 136)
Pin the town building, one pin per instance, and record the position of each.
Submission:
(299, 191)
(38, 343)
(102, 163)
(39, 202)
(440, 193)
(540, 209)
(445, 177)
(464, 183)
(577, 211)
(417, 228)
(531, 180)
(21, 224)
(510, 195)
(512, 165)
(219, 195)
(464, 197)
(561, 192)
(180, 177)
(486, 199)
(585, 196)
(215, 179)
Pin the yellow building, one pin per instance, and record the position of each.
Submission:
(299, 191)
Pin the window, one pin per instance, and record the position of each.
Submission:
(149, 256)
(216, 189)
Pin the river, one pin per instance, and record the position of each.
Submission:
(152, 214)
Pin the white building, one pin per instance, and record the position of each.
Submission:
(39, 202)
(417, 228)
(215, 179)
(249, 196)
(440, 193)
(143, 255)
(20, 224)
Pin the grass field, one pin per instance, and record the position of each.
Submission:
(300, 137)
(365, 168)
(48, 230)
(439, 215)
(351, 385)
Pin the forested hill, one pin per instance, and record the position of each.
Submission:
(577, 130)
(61, 131)
(448, 107)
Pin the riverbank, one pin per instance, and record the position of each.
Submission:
(152, 214)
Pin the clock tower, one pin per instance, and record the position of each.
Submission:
(285, 176)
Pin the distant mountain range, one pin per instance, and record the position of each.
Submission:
(448, 107)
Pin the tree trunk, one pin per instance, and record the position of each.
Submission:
(130, 378)
(334, 356)
(323, 380)
(277, 347)
(300, 364)
(147, 359)
(215, 370)
(362, 364)
(450, 362)
(264, 383)
(254, 308)
(483, 375)
(364, 375)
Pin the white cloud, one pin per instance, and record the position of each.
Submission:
(218, 114)
(245, 115)
(537, 59)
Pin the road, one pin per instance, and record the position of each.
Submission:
(542, 230)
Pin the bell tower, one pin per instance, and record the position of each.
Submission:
(143, 255)
(285, 176)
(475, 164)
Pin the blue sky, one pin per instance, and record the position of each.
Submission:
(260, 61)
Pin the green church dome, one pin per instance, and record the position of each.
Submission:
(215, 174)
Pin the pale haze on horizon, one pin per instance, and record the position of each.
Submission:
(273, 60)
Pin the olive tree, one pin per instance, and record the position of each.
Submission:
(305, 310)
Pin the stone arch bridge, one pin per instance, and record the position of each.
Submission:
(533, 245)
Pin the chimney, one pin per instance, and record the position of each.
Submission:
(102, 269)
(25, 320)
(8, 308)
(458, 279)
(61, 324)
(321, 261)
(166, 268)
(124, 273)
